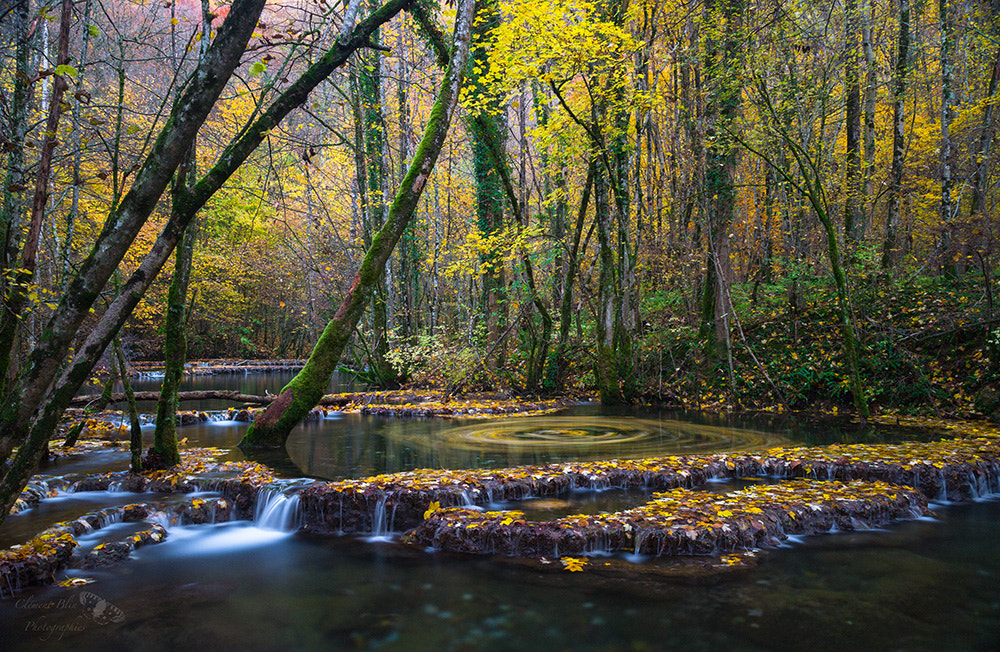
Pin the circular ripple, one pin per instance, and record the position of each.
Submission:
(625, 436)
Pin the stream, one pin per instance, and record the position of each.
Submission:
(931, 584)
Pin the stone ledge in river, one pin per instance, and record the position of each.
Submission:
(351, 505)
(680, 522)
(115, 552)
(37, 561)
(950, 469)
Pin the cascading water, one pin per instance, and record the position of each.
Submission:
(276, 511)
(382, 521)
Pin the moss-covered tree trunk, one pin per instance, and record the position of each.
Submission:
(372, 182)
(174, 356)
(488, 137)
(164, 452)
(272, 426)
(47, 386)
(605, 363)
(722, 57)
(135, 428)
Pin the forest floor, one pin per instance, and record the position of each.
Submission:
(928, 346)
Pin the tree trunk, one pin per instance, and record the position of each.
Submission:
(853, 180)
(947, 255)
(71, 217)
(890, 248)
(980, 173)
(488, 139)
(174, 345)
(94, 405)
(373, 185)
(870, 97)
(721, 161)
(605, 369)
(271, 427)
(15, 182)
(35, 384)
(135, 428)
(18, 291)
(569, 276)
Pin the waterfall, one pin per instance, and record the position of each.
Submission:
(382, 523)
(276, 511)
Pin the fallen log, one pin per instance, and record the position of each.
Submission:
(200, 395)
(206, 395)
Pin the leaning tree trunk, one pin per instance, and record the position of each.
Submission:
(164, 453)
(271, 427)
(43, 396)
(18, 418)
(135, 427)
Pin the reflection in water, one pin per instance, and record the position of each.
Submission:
(355, 446)
(566, 433)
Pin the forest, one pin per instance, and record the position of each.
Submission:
(499, 324)
(721, 204)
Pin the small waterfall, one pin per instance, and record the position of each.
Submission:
(942, 496)
(108, 516)
(382, 523)
(276, 511)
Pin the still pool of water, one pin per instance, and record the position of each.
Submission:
(918, 585)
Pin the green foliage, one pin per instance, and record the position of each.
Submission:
(435, 361)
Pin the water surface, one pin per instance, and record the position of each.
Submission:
(918, 585)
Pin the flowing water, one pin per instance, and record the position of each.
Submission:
(919, 585)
